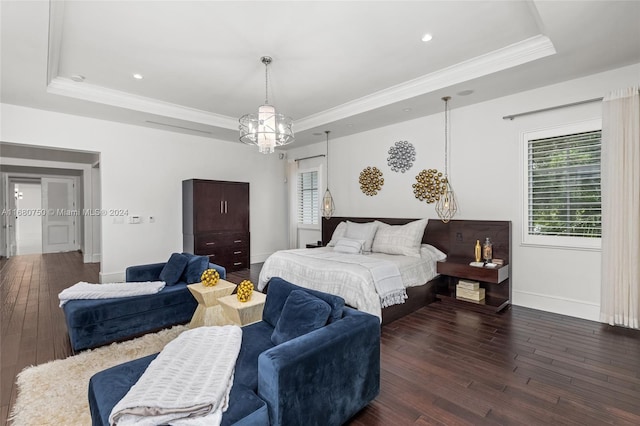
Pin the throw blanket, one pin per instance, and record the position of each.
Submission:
(187, 384)
(385, 275)
(83, 290)
(365, 282)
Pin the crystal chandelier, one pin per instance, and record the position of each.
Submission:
(327, 201)
(266, 129)
(446, 206)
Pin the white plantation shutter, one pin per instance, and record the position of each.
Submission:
(308, 201)
(564, 185)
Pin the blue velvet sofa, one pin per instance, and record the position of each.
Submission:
(321, 377)
(92, 323)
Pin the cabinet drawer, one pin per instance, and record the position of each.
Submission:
(230, 262)
(227, 252)
(463, 270)
(210, 241)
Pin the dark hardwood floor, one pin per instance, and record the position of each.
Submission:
(440, 365)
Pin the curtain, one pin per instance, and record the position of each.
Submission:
(620, 180)
(292, 179)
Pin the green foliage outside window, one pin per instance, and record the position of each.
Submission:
(564, 185)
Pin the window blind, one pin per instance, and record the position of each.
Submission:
(564, 185)
(308, 201)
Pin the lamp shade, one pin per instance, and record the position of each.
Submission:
(267, 129)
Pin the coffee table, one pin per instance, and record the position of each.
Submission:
(243, 313)
(209, 311)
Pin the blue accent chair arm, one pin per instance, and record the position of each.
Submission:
(221, 270)
(140, 273)
(151, 272)
(323, 377)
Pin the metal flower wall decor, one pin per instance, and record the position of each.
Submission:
(430, 185)
(401, 156)
(371, 181)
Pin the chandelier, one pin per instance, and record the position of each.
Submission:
(266, 129)
(446, 206)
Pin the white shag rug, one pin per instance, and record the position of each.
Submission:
(55, 393)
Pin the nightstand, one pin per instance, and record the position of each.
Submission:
(495, 281)
(314, 245)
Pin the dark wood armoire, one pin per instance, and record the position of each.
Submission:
(215, 221)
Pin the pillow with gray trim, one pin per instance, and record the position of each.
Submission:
(362, 231)
(337, 233)
(400, 239)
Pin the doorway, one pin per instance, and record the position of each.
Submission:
(44, 215)
(28, 218)
(68, 229)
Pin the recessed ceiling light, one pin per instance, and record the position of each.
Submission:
(77, 78)
(465, 92)
(349, 125)
(406, 109)
(138, 76)
(427, 37)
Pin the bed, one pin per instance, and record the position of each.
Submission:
(315, 269)
(455, 238)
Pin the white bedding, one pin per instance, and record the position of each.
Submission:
(310, 268)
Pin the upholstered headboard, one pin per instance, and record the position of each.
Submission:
(457, 238)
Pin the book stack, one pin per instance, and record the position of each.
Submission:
(469, 290)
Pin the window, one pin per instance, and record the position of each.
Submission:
(562, 202)
(308, 202)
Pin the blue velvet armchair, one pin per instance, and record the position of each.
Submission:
(321, 377)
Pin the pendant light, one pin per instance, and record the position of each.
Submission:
(328, 207)
(266, 129)
(446, 206)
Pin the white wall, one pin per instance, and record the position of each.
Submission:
(141, 170)
(485, 173)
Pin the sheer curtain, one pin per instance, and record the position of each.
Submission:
(292, 179)
(620, 290)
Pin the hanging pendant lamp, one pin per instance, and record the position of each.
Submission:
(446, 206)
(328, 207)
(266, 129)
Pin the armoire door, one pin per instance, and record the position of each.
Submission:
(209, 208)
(236, 207)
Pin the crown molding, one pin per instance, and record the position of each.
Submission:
(507, 57)
(89, 92)
(56, 19)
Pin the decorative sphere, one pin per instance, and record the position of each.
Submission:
(245, 288)
(210, 277)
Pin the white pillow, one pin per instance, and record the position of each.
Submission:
(428, 251)
(400, 239)
(347, 245)
(362, 231)
(337, 233)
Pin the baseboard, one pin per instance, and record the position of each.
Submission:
(559, 305)
(259, 258)
(88, 258)
(112, 277)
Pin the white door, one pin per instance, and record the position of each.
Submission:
(59, 223)
(11, 219)
(28, 234)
